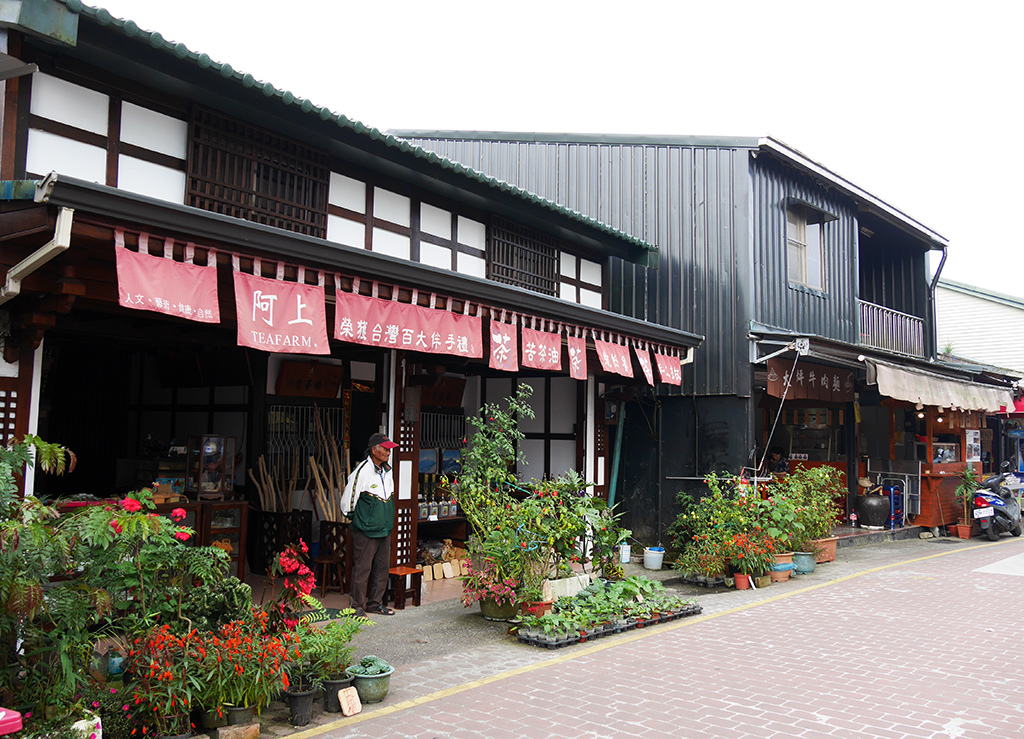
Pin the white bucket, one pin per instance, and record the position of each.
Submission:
(653, 557)
(624, 554)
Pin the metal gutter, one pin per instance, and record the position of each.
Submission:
(157, 215)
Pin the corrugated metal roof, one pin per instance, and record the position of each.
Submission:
(157, 41)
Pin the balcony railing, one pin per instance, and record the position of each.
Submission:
(890, 330)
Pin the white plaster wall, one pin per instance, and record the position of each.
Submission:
(590, 298)
(567, 292)
(392, 207)
(435, 221)
(154, 131)
(590, 272)
(390, 243)
(152, 180)
(435, 256)
(47, 152)
(471, 265)
(345, 231)
(348, 193)
(567, 263)
(69, 103)
(472, 233)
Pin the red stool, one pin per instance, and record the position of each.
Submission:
(397, 576)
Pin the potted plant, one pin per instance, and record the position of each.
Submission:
(751, 553)
(494, 584)
(814, 492)
(162, 672)
(256, 660)
(371, 678)
(327, 651)
(964, 493)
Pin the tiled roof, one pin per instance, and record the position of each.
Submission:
(157, 41)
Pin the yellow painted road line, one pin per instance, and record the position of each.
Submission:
(609, 644)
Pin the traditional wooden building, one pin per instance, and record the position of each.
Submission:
(193, 258)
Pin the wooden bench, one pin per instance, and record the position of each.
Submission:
(399, 593)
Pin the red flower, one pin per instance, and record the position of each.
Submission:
(178, 514)
(131, 505)
(182, 535)
(116, 526)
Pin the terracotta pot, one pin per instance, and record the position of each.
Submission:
(535, 607)
(783, 558)
(742, 581)
(780, 575)
(963, 531)
(825, 549)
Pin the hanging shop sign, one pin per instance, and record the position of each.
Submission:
(614, 358)
(669, 369)
(577, 357)
(504, 347)
(153, 283)
(643, 356)
(279, 316)
(811, 381)
(393, 325)
(542, 350)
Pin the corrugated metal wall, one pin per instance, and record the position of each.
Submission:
(690, 201)
(831, 313)
(980, 329)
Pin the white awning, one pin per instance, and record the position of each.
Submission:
(928, 388)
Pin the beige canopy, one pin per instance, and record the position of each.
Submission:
(928, 388)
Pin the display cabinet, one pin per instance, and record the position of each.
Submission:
(211, 466)
(224, 525)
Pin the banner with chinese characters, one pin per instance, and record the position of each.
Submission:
(393, 325)
(278, 316)
(542, 350)
(577, 358)
(614, 358)
(643, 356)
(504, 347)
(810, 381)
(669, 369)
(146, 282)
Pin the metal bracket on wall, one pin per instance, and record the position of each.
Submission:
(801, 346)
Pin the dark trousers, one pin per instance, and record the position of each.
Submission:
(371, 560)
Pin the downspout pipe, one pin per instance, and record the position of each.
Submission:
(931, 301)
(617, 455)
(57, 245)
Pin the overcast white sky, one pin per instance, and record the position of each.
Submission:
(917, 102)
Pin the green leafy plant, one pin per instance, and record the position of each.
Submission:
(328, 649)
(752, 551)
(815, 493)
(964, 493)
(369, 666)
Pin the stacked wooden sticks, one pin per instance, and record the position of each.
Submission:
(328, 473)
(277, 483)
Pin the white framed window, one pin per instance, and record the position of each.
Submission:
(804, 255)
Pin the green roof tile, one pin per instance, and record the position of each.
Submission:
(131, 29)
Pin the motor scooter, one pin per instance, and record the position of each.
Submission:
(996, 505)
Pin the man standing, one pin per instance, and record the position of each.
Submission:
(368, 500)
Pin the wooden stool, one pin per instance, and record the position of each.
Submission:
(397, 576)
(326, 565)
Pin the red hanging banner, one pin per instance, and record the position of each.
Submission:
(577, 358)
(614, 358)
(278, 316)
(504, 347)
(542, 350)
(394, 325)
(643, 356)
(669, 369)
(146, 282)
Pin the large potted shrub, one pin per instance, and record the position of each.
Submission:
(326, 651)
(814, 492)
(964, 494)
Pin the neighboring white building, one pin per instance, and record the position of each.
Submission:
(981, 325)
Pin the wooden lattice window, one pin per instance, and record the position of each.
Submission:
(521, 256)
(246, 172)
(8, 412)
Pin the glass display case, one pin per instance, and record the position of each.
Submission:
(224, 527)
(211, 465)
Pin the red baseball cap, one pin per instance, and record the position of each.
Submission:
(380, 439)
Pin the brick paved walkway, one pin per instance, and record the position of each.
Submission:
(912, 649)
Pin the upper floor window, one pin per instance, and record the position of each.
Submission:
(521, 256)
(804, 255)
(247, 172)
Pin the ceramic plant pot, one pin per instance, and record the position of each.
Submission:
(372, 688)
(804, 562)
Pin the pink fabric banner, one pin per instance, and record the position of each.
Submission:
(614, 358)
(504, 347)
(394, 325)
(278, 316)
(643, 356)
(669, 370)
(542, 350)
(146, 282)
(577, 358)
